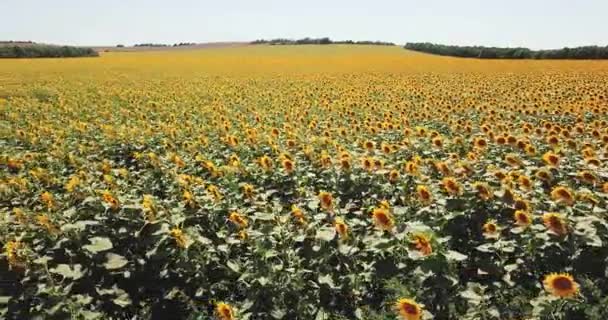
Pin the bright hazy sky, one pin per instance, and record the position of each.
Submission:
(530, 23)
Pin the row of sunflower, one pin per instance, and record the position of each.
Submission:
(471, 195)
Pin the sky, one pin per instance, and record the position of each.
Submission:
(537, 24)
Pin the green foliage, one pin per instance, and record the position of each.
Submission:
(283, 41)
(587, 52)
(45, 51)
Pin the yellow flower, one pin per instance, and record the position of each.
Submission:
(326, 200)
(48, 199)
(341, 228)
(288, 165)
(522, 218)
(408, 309)
(248, 191)
(12, 249)
(393, 176)
(562, 195)
(490, 229)
(555, 223)
(383, 219)
(108, 198)
(422, 243)
(551, 159)
(180, 238)
(298, 214)
(484, 191)
(238, 219)
(266, 163)
(71, 185)
(188, 199)
(587, 177)
(20, 216)
(148, 207)
(451, 186)
(561, 285)
(424, 195)
(224, 311)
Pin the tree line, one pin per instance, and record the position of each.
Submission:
(585, 52)
(325, 40)
(45, 51)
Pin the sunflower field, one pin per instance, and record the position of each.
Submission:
(310, 182)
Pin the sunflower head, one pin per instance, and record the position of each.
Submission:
(483, 190)
(561, 285)
(288, 165)
(522, 218)
(408, 309)
(383, 219)
(422, 243)
(326, 200)
(238, 219)
(451, 186)
(393, 176)
(551, 159)
(424, 194)
(555, 223)
(563, 195)
(224, 311)
(490, 229)
(341, 228)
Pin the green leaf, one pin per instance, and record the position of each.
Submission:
(452, 255)
(98, 244)
(278, 313)
(233, 266)
(326, 279)
(326, 234)
(115, 261)
(67, 272)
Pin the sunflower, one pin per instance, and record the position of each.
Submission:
(561, 285)
(48, 200)
(148, 207)
(326, 200)
(188, 199)
(248, 191)
(180, 238)
(524, 182)
(20, 216)
(443, 168)
(298, 214)
(437, 142)
(367, 163)
(345, 164)
(522, 218)
(551, 159)
(587, 177)
(265, 163)
(422, 243)
(544, 174)
(110, 200)
(562, 195)
(383, 219)
(480, 143)
(451, 186)
(44, 221)
(605, 187)
(288, 165)
(12, 250)
(341, 228)
(555, 223)
(424, 194)
(513, 160)
(411, 168)
(408, 309)
(238, 219)
(393, 176)
(72, 184)
(490, 229)
(223, 310)
(484, 191)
